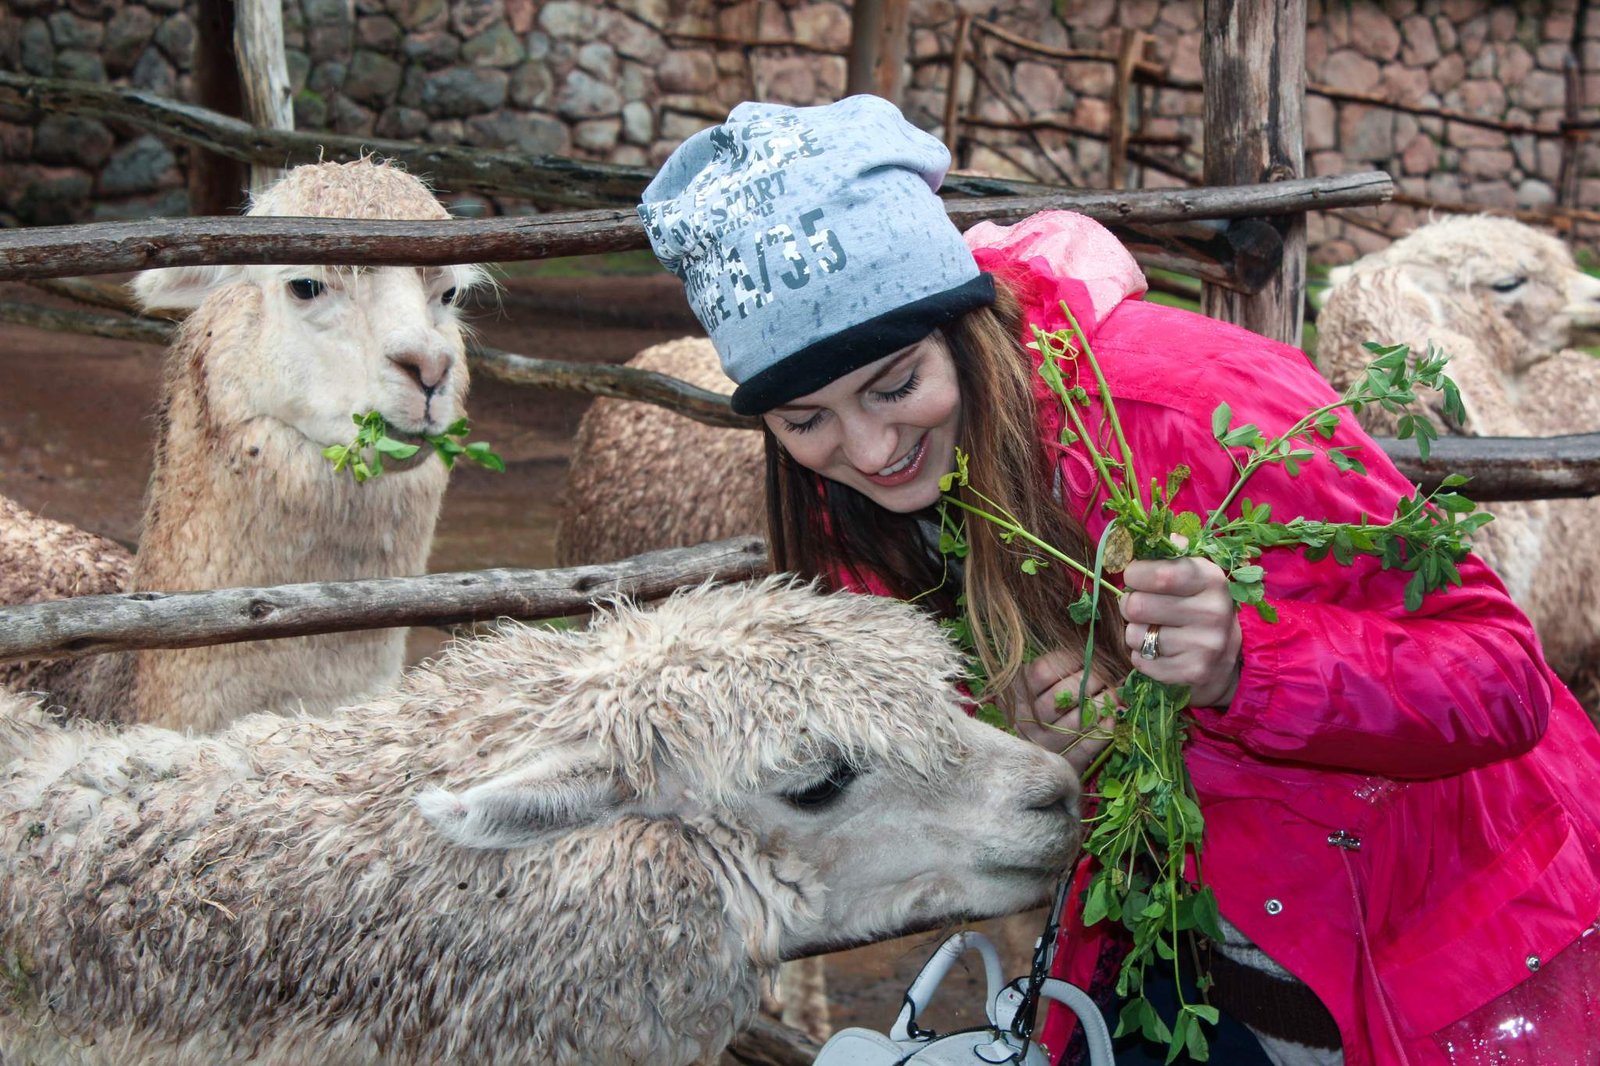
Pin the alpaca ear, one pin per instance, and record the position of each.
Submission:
(554, 795)
(178, 288)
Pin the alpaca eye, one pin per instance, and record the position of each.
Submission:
(449, 297)
(1509, 284)
(826, 792)
(306, 288)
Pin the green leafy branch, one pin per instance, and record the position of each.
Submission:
(364, 455)
(1148, 823)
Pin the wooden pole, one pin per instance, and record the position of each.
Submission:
(112, 247)
(1253, 55)
(879, 36)
(216, 182)
(93, 625)
(264, 75)
(1129, 52)
(952, 91)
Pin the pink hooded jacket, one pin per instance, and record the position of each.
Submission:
(1401, 807)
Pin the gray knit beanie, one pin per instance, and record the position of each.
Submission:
(811, 242)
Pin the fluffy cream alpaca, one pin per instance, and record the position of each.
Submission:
(567, 847)
(265, 372)
(1502, 300)
(642, 478)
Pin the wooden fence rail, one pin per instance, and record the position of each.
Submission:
(114, 247)
(1501, 468)
(93, 625)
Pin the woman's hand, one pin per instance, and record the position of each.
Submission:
(1058, 729)
(1198, 639)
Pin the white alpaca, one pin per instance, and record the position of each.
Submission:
(642, 478)
(1502, 300)
(568, 847)
(265, 372)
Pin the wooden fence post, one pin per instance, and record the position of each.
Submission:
(952, 92)
(263, 74)
(879, 36)
(1129, 52)
(216, 182)
(1253, 55)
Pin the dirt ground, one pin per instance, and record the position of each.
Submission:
(76, 426)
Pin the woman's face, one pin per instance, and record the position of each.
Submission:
(887, 430)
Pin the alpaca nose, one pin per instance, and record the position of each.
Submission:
(427, 369)
(1056, 792)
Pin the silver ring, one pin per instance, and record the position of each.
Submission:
(1150, 646)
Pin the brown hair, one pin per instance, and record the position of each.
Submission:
(822, 529)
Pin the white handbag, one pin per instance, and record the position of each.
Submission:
(1005, 1039)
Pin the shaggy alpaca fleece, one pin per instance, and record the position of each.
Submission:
(1501, 299)
(642, 478)
(276, 893)
(257, 382)
(42, 559)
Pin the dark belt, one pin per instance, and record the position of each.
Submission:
(1274, 1006)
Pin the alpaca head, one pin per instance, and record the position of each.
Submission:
(324, 343)
(816, 740)
(1497, 266)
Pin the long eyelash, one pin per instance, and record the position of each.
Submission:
(904, 390)
(803, 427)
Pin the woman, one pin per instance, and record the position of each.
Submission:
(1399, 831)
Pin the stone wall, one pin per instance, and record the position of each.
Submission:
(626, 80)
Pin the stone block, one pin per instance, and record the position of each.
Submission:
(51, 198)
(175, 38)
(1185, 63)
(639, 80)
(1419, 43)
(583, 95)
(1320, 124)
(1091, 113)
(1097, 79)
(140, 166)
(1316, 51)
(1557, 26)
(689, 72)
(597, 135)
(1487, 162)
(1534, 193)
(1349, 69)
(1324, 163)
(531, 134)
(1540, 89)
(1182, 15)
(469, 18)
(1448, 38)
(69, 31)
(1503, 22)
(378, 33)
(677, 127)
(1447, 73)
(635, 40)
(1460, 135)
(1038, 85)
(446, 131)
(1096, 14)
(461, 91)
(1491, 194)
(351, 119)
(401, 123)
(79, 66)
(72, 140)
(532, 86)
(372, 79)
(638, 122)
(1471, 36)
(327, 78)
(94, 10)
(1139, 14)
(332, 42)
(629, 155)
(495, 47)
(1485, 64)
(1483, 97)
(1421, 156)
(830, 73)
(599, 59)
(432, 49)
(425, 15)
(1404, 84)
(570, 20)
(1515, 63)
(38, 54)
(1366, 133)
(520, 15)
(1553, 56)
(1373, 33)
(825, 25)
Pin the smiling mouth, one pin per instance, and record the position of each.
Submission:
(906, 469)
